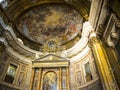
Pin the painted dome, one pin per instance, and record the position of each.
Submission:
(60, 22)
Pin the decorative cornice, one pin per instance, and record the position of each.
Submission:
(17, 56)
(50, 57)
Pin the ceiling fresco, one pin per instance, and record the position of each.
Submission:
(60, 22)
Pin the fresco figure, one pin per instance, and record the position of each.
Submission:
(51, 21)
(46, 85)
(25, 29)
(50, 81)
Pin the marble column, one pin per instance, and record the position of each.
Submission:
(102, 62)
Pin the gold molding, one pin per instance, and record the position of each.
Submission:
(50, 64)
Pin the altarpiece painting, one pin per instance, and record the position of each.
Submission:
(50, 81)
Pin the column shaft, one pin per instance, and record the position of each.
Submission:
(103, 65)
(60, 79)
(32, 78)
(39, 79)
(67, 77)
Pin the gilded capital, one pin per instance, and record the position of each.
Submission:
(93, 39)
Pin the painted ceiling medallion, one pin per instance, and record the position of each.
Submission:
(52, 21)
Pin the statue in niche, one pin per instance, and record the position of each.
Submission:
(50, 81)
(20, 79)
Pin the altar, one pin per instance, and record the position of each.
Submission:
(50, 72)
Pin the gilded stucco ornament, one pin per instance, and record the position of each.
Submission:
(51, 46)
(93, 38)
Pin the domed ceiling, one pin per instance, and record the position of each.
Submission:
(42, 23)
